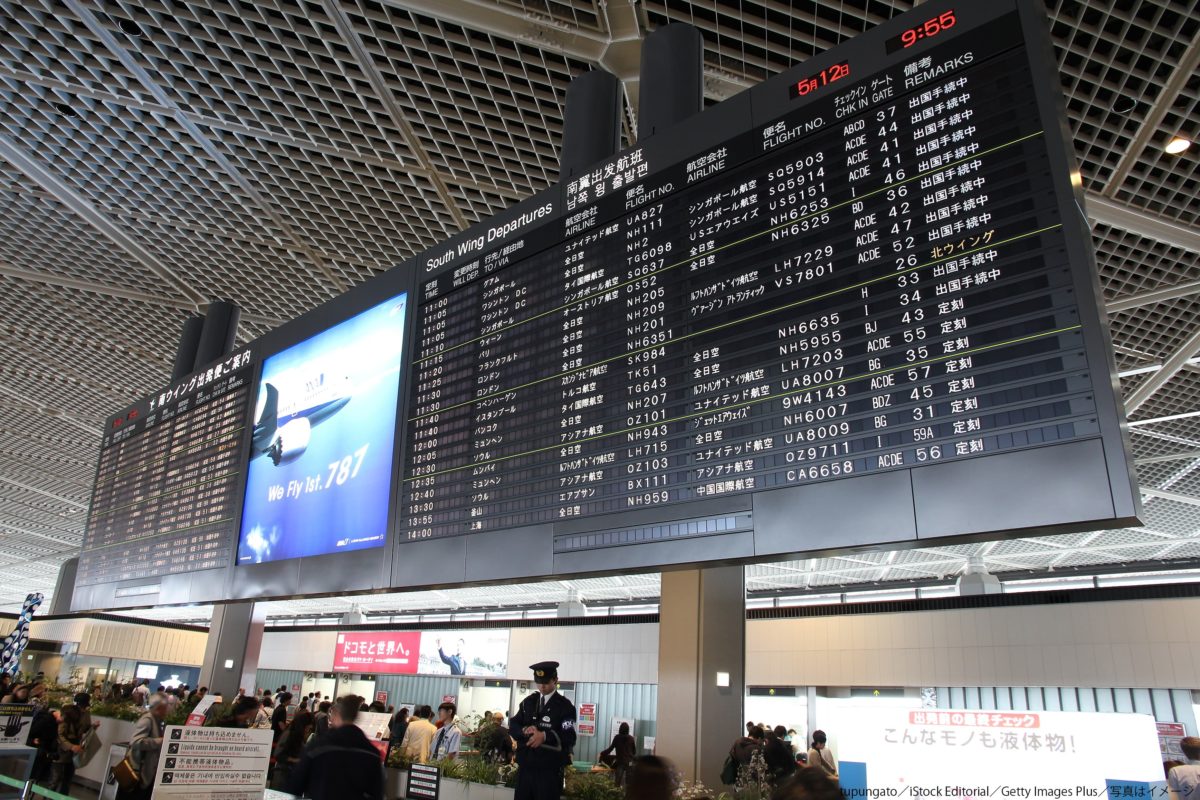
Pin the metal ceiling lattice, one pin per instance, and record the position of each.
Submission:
(276, 152)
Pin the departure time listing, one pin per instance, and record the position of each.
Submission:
(802, 303)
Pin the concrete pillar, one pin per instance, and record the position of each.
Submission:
(234, 642)
(701, 643)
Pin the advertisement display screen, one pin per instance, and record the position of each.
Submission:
(481, 654)
(320, 472)
(951, 753)
(169, 676)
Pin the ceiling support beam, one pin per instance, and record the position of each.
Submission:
(79, 206)
(104, 290)
(106, 37)
(1185, 456)
(58, 415)
(394, 111)
(1184, 70)
(121, 293)
(260, 134)
(1109, 212)
(622, 55)
(56, 497)
(1167, 418)
(1126, 302)
(1171, 368)
(591, 46)
(1166, 495)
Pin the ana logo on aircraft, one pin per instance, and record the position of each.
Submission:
(283, 427)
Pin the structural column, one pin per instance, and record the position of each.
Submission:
(234, 642)
(701, 669)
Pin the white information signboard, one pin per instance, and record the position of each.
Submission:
(213, 764)
(1001, 754)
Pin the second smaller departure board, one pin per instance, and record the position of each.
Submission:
(167, 488)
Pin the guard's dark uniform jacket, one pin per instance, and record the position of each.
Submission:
(540, 774)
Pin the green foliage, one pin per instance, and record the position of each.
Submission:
(122, 710)
(450, 768)
(476, 770)
(128, 711)
(591, 786)
(398, 759)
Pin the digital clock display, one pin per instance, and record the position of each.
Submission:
(919, 33)
(823, 78)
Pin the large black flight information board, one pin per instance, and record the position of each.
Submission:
(168, 482)
(877, 278)
(854, 306)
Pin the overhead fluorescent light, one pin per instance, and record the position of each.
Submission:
(1177, 145)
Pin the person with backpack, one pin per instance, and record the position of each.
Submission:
(743, 749)
(343, 765)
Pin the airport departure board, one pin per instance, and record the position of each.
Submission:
(876, 279)
(854, 306)
(169, 479)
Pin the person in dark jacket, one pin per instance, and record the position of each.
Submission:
(623, 750)
(343, 765)
(291, 744)
(43, 735)
(397, 727)
(280, 716)
(781, 761)
(71, 731)
(544, 729)
(240, 715)
(457, 662)
(743, 749)
(321, 718)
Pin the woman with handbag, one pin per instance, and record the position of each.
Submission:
(144, 750)
(70, 744)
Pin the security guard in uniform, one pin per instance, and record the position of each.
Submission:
(544, 728)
